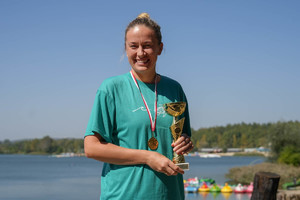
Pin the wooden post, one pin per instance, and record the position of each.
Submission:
(265, 186)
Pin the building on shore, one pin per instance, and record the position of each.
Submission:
(211, 150)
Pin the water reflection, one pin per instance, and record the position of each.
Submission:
(226, 195)
(204, 195)
(217, 196)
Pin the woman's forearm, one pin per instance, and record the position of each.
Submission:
(96, 148)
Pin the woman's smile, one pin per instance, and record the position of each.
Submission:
(142, 62)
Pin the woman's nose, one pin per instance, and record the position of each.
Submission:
(140, 51)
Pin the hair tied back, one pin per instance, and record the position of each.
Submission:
(144, 19)
(144, 15)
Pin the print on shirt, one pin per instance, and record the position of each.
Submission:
(160, 110)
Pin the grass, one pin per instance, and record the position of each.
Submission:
(245, 175)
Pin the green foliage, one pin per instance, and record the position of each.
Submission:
(290, 155)
(251, 135)
(233, 136)
(282, 137)
(46, 145)
(285, 140)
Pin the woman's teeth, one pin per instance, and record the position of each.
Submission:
(142, 61)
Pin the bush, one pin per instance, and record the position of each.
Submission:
(285, 139)
(290, 155)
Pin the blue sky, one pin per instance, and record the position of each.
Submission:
(238, 61)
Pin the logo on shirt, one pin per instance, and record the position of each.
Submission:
(160, 110)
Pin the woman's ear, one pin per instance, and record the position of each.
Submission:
(161, 47)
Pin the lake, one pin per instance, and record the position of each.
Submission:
(28, 177)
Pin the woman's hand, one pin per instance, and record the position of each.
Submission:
(162, 164)
(183, 145)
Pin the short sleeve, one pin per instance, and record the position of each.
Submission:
(187, 126)
(102, 117)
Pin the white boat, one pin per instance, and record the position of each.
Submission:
(209, 156)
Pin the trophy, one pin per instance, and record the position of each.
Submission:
(176, 109)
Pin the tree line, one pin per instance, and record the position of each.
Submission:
(45, 145)
(234, 136)
(283, 138)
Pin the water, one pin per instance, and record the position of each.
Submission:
(24, 177)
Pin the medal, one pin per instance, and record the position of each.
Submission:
(152, 142)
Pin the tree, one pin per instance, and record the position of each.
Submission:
(244, 142)
(234, 142)
(45, 145)
(290, 155)
(285, 140)
(203, 142)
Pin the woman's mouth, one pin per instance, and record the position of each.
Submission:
(142, 62)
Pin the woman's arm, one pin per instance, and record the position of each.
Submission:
(97, 148)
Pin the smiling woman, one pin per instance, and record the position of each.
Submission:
(134, 141)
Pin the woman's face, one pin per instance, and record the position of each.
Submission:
(142, 49)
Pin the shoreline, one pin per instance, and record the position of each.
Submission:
(211, 155)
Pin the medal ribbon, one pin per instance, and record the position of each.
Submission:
(153, 123)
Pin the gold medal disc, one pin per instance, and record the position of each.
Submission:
(153, 143)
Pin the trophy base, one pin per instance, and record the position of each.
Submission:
(184, 166)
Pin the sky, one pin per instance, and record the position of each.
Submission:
(237, 61)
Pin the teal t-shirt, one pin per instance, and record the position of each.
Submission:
(120, 117)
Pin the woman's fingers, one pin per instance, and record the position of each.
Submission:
(184, 138)
(180, 140)
(188, 150)
(162, 164)
(183, 144)
(176, 169)
(173, 170)
(184, 149)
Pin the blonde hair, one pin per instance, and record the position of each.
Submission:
(144, 19)
(144, 15)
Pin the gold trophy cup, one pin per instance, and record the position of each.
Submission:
(176, 109)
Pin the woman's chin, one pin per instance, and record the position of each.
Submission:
(142, 69)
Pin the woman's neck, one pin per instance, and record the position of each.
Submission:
(145, 77)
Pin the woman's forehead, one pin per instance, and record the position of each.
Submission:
(139, 33)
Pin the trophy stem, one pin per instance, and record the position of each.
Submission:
(178, 158)
(180, 161)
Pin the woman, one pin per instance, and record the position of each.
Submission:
(122, 122)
